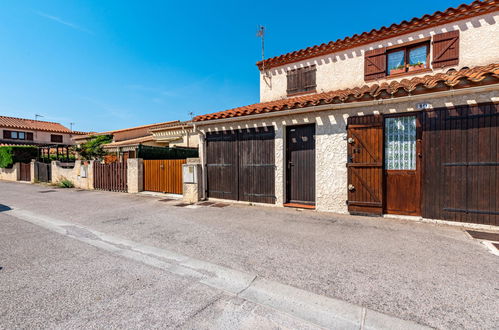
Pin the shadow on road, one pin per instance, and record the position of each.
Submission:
(4, 208)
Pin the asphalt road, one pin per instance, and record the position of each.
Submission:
(433, 275)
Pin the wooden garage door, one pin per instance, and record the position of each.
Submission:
(240, 165)
(461, 164)
(365, 164)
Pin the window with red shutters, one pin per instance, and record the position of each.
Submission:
(445, 49)
(375, 64)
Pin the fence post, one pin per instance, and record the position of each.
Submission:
(55, 171)
(33, 171)
(192, 181)
(135, 175)
(90, 174)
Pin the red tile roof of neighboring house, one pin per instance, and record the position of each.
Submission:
(129, 142)
(151, 126)
(487, 74)
(35, 125)
(476, 8)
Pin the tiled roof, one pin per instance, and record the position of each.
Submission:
(417, 85)
(128, 142)
(172, 125)
(476, 8)
(150, 126)
(35, 125)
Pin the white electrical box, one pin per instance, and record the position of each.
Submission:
(190, 173)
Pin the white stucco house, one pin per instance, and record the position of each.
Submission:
(399, 120)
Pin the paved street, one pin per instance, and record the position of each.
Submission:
(96, 259)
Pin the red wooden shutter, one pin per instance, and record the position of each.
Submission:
(29, 136)
(6, 135)
(375, 64)
(445, 49)
(292, 81)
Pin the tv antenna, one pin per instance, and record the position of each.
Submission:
(38, 116)
(191, 114)
(71, 126)
(261, 34)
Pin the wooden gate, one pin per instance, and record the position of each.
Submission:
(365, 164)
(240, 164)
(461, 164)
(43, 172)
(111, 177)
(163, 175)
(25, 169)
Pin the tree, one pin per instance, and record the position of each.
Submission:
(92, 149)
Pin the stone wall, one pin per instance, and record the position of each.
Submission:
(10, 174)
(81, 175)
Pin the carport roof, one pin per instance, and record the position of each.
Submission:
(480, 75)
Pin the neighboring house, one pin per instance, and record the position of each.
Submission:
(399, 120)
(126, 141)
(176, 134)
(20, 131)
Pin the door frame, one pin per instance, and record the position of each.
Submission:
(419, 157)
(287, 172)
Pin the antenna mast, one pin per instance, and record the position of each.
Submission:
(71, 125)
(38, 116)
(261, 34)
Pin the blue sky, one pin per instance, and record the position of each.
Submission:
(106, 64)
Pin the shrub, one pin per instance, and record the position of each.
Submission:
(65, 183)
(17, 154)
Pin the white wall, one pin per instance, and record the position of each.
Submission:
(75, 174)
(479, 45)
(331, 147)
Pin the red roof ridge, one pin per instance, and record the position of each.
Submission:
(486, 74)
(34, 120)
(451, 14)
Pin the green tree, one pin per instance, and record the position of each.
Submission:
(92, 149)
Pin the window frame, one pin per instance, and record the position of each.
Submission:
(407, 48)
(302, 89)
(52, 136)
(15, 135)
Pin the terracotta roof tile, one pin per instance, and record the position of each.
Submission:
(475, 8)
(35, 125)
(415, 85)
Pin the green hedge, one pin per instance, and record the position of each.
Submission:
(149, 152)
(17, 154)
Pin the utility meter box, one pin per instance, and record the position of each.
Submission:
(190, 173)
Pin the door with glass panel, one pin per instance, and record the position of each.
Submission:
(402, 165)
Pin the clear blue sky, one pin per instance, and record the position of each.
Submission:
(109, 64)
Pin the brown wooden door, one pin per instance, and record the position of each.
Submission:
(163, 175)
(402, 168)
(365, 164)
(300, 164)
(222, 165)
(25, 171)
(240, 164)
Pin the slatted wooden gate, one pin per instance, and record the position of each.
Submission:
(461, 164)
(25, 174)
(43, 172)
(365, 164)
(111, 177)
(163, 175)
(240, 164)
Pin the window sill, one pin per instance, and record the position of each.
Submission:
(408, 73)
(313, 91)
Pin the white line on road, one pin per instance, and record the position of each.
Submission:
(320, 310)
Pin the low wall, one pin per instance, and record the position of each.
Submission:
(11, 174)
(135, 175)
(81, 175)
